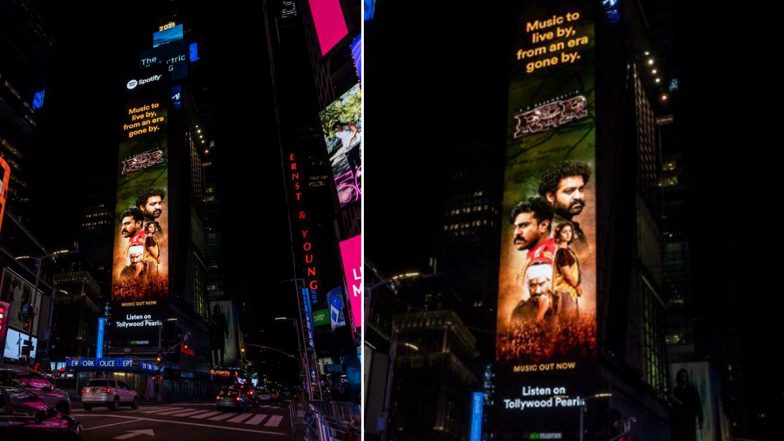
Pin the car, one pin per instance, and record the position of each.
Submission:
(232, 398)
(251, 394)
(38, 384)
(108, 392)
(23, 415)
(263, 395)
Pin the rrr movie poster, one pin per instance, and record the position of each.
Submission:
(547, 281)
(140, 274)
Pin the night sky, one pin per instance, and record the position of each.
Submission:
(94, 55)
(440, 76)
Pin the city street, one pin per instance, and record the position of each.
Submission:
(194, 421)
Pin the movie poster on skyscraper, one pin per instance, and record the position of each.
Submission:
(547, 281)
(341, 122)
(140, 271)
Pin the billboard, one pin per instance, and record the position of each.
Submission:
(5, 179)
(696, 405)
(329, 22)
(547, 281)
(23, 304)
(223, 333)
(15, 342)
(351, 252)
(140, 267)
(174, 57)
(166, 36)
(341, 123)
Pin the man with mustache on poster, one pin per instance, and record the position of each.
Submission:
(564, 189)
(531, 220)
(151, 204)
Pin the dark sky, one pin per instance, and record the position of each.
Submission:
(439, 76)
(95, 52)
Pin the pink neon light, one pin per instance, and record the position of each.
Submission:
(329, 21)
(351, 251)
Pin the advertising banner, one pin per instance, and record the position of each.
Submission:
(351, 252)
(341, 123)
(140, 270)
(24, 307)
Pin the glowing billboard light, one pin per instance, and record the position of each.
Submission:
(351, 251)
(329, 22)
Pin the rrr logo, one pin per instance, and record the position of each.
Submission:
(550, 116)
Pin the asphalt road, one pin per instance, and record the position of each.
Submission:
(184, 421)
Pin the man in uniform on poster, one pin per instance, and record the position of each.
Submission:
(564, 189)
(151, 205)
(531, 220)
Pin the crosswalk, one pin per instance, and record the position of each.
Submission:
(245, 419)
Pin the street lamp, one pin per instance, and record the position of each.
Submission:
(303, 362)
(38, 269)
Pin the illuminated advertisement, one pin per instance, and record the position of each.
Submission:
(223, 333)
(547, 281)
(4, 307)
(165, 36)
(341, 123)
(477, 399)
(546, 315)
(174, 56)
(140, 267)
(23, 305)
(141, 258)
(5, 178)
(696, 404)
(351, 252)
(15, 342)
(356, 54)
(329, 23)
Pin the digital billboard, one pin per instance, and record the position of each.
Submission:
(546, 315)
(166, 36)
(5, 179)
(351, 252)
(174, 57)
(24, 305)
(329, 22)
(140, 268)
(15, 342)
(547, 282)
(697, 412)
(341, 123)
(223, 333)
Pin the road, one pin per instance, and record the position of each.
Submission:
(191, 421)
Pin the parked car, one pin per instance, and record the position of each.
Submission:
(25, 416)
(39, 384)
(108, 392)
(232, 398)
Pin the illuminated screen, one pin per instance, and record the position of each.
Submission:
(23, 304)
(223, 331)
(329, 22)
(546, 316)
(351, 252)
(14, 342)
(167, 36)
(174, 56)
(356, 54)
(342, 125)
(140, 268)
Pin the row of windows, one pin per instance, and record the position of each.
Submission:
(11, 148)
(475, 208)
(464, 225)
